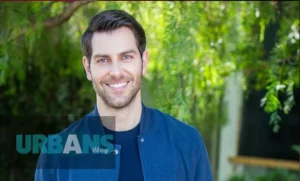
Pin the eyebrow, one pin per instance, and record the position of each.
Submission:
(119, 54)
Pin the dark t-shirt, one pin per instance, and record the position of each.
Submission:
(130, 163)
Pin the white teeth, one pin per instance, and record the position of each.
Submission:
(118, 85)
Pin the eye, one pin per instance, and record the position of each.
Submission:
(127, 57)
(102, 60)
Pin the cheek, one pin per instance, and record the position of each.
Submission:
(135, 72)
(136, 68)
(96, 74)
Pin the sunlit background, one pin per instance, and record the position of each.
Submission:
(231, 69)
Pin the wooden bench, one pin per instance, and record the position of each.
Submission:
(265, 162)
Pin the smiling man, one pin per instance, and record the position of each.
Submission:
(149, 145)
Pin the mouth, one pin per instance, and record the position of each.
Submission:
(118, 85)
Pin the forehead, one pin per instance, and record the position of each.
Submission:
(113, 42)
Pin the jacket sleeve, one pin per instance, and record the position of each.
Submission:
(202, 165)
(43, 175)
(44, 169)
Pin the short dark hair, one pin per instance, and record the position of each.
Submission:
(110, 20)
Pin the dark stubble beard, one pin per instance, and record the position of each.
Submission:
(110, 102)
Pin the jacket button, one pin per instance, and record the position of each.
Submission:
(142, 140)
(116, 151)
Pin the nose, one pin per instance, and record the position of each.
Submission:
(115, 70)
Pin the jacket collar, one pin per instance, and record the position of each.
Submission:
(145, 119)
(94, 124)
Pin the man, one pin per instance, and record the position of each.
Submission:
(149, 145)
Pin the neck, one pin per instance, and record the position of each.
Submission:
(124, 119)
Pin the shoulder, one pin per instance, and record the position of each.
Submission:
(78, 126)
(175, 127)
(184, 138)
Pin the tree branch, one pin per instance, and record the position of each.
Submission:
(66, 14)
(47, 6)
(55, 21)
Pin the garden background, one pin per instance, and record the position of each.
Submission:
(196, 48)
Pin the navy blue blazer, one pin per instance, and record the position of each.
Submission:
(170, 150)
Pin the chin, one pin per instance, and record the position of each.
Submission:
(117, 101)
(118, 105)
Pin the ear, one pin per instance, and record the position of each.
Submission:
(87, 69)
(145, 58)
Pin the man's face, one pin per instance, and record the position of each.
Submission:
(116, 67)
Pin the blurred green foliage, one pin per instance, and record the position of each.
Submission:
(237, 178)
(272, 175)
(193, 47)
(296, 148)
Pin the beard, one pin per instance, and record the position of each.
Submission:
(118, 100)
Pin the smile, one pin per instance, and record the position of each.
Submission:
(118, 85)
